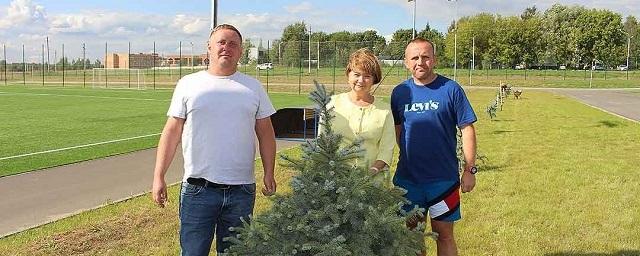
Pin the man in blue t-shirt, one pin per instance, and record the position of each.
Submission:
(427, 110)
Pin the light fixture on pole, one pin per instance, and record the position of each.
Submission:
(455, 41)
(413, 32)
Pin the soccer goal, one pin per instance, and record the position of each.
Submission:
(118, 78)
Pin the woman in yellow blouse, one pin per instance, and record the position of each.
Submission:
(358, 114)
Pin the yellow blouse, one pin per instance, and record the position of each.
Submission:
(373, 123)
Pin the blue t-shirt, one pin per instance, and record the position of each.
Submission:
(430, 115)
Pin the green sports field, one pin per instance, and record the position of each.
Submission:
(50, 126)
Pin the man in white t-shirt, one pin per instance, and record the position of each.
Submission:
(216, 114)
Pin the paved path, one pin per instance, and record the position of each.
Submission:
(622, 102)
(35, 198)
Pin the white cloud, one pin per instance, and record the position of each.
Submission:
(263, 25)
(32, 37)
(190, 25)
(22, 13)
(70, 23)
(299, 8)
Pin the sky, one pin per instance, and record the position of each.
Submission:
(167, 22)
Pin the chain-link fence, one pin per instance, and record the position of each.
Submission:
(281, 66)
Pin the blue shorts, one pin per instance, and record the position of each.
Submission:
(440, 198)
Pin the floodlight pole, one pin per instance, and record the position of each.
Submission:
(84, 65)
(309, 50)
(413, 32)
(24, 67)
(628, 53)
(455, 41)
(42, 65)
(63, 65)
(473, 58)
(214, 13)
(279, 53)
(628, 49)
(48, 62)
(192, 57)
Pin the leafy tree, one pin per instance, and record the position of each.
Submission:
(399, 40)
(293, 46)
(517, 40)
(372, 40)
(559, 24)
(600, 36)
(275, 52)
(64, 61)
(532, 44)
(341, 36)
(343, 46)
(320, 50)
(246, 47)
(437, 39)
(632, 29)
(319, 36)
(481, 27)
(529, 12)
(505, 46)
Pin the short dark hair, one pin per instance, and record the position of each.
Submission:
(422, 40)
(226, 26)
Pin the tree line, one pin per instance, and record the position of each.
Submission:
(75, 64)
(572, 36)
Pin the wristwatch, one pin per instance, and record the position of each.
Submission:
(473, 169)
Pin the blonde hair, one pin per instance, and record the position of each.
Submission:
(365, 61)
(226, 26)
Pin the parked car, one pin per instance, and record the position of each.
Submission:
(597, 67)
(520, 66)
(562, 67)
(265, 66)
(623, 67)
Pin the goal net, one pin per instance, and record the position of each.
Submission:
(118, 78)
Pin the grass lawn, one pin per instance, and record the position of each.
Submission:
(561, 179)
(40, 119)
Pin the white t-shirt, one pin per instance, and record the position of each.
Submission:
(218, 137)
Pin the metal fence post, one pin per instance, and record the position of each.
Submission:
(4, 49)
(300, 66)
(84, 65)
(24, 67)
(42, 64)
(129, 64)
(104, 65)
(63, 65)
(154, 65)
(335, 53)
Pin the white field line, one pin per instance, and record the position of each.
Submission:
(80, 146)
(80, 96)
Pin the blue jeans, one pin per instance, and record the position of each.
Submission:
(205, 210)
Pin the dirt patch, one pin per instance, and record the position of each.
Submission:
(96, 238)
